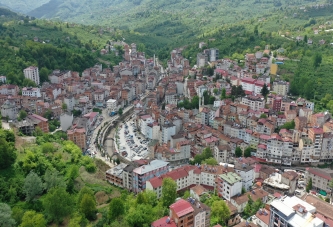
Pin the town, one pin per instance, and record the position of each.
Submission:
(219, 127)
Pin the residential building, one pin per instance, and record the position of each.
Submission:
(222, 153)
(320, 178)
(31, 92)
(111, 104)
(254, 102)
(32, 73)
(9, 109)
(66, 121)
(40, 122)
(168, 130)
(78, 136)
(292, 211)
(230, 185)
(281, 87)
(146, 172)
(290, 178)
(246, 172)
(240, 201)
(115, 175)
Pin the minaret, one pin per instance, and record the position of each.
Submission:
(154, 60)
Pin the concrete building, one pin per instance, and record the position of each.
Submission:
(66, 121)
(230, 186)
(186, 213)
(320, 178)
(111, 104)
(201, 60)
(292, 211)
(70, 102)
(222, 153)
(78, 136)
(9, 109)
(281, 87)
(115, 175)
(32, 73)
(168, 130)
(31, 92)
(254, 102)
(147, 172)
(246, 172)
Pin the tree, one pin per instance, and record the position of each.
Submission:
(32, 186)
(263, 116)
(163, 106)
(22, 114)
(220, 212)
(264, 91)
(317, 58)
(48, 148)
(7, 154)
(120, 111)
(305, 39)
(187, 194)
(140, 215)
(116, 208)
(6, 219)
(215, 91)
(57, 204)
(238, 152)
(223, 93)
(206, 154)
(43, 74)
(169, 191)
(88, 206)
(247, 152)
(33, 219)
(52, 179)
(210, 161)
(64, 106)
(309, 186)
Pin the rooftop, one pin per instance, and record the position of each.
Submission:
(164, 222)
(182, 207)
(231, 178)
(153, 165)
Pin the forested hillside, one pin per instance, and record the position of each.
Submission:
(22, 6)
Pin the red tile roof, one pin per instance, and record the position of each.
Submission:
(182, 207)
(162, 222)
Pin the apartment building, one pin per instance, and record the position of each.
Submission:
(254, 102)
(168, 130)
(146, 172)
(186, 213)
(115, 175)
(222, 153)
(281, 87)
(229, 185)
(292, 211)
(78, 136)
(246, 172)
(31, 92)
(32, 73)
(320, 178)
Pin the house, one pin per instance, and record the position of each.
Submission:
(222, 153)
(31, 92)
(240, 201)
(320, 178)
(290, 178)
(263, 217)
(197, 191)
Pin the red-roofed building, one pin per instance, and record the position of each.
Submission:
(42, 122)
(164, 222)
(320, 178)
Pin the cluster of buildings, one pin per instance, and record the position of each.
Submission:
(68, 92)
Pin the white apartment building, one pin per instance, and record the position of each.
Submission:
(32, 73)
(112, 105)
(281, 87)
(143, 122)
(232, 185)
(247, 174)
(308, 154)
(254, 102)
(168, 130)
(153, 131)
(31, 92)
(292, 211)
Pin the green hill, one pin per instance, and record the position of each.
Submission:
(22, 6)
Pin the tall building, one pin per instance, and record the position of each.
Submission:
(32, 73)
(292, 211)
(146, 172)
